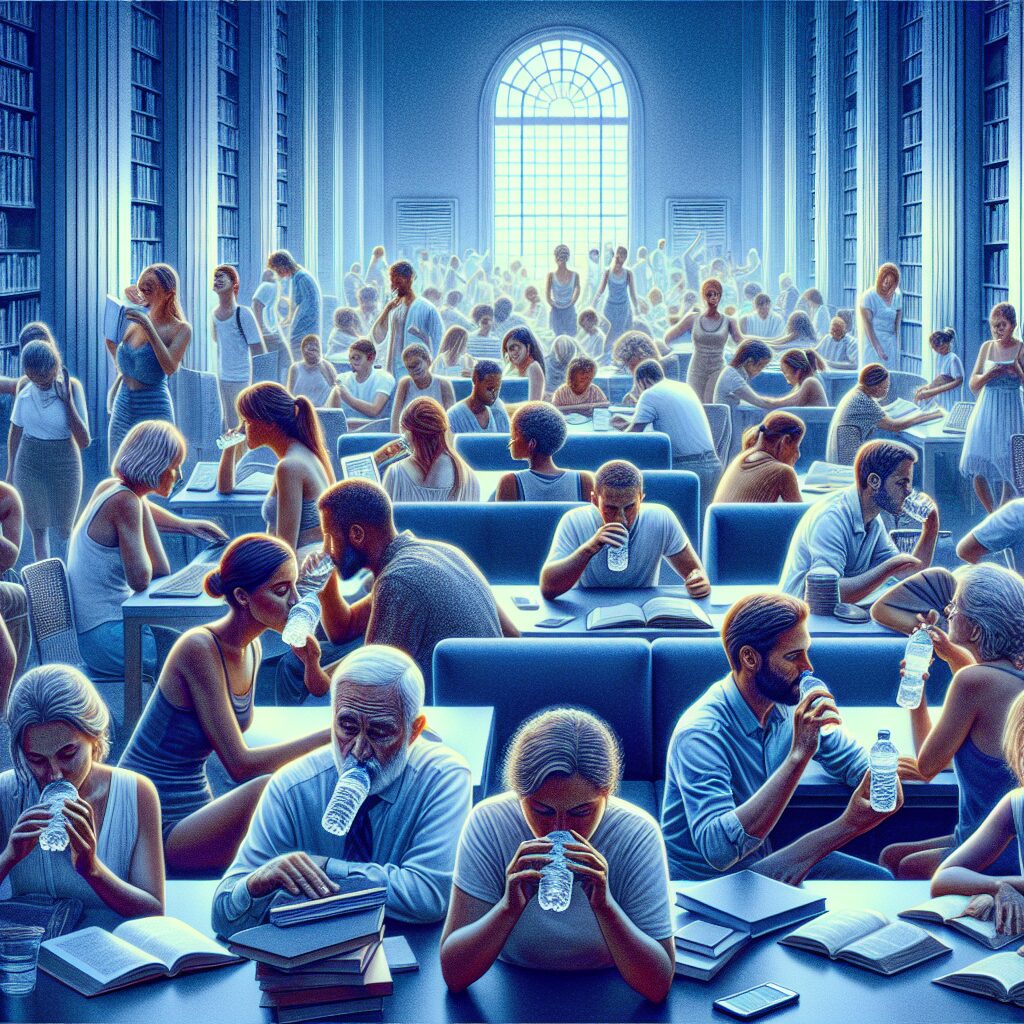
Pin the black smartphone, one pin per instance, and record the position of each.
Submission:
(756, 1001)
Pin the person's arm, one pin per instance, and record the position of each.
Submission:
(226, 467)
(369, 409)
(74, 404)
(8, 666)
(547, 291)
(937, 743)
(401, 390)
(895, 426)
(790, 488)
(154, 545)
(167, 522)
(601, 286)
(575, 291)
(962, 872)
(681, 326)
(13, 443)
(168, 356)
(447, 393)
(924, 549)
(562, 573)
(891, 609)
(291, 378)
(127, 520)
(979, 376)
(867, 318)
(508, 627)
(691, 571)
(288, 486)
(970, 549)
(379, 330)
(853, 588)
(11, 518)
(506, 489)
(734, 331)
(536, 378)
(751, 397)
(342, 621)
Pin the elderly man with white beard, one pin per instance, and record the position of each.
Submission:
(405, 833)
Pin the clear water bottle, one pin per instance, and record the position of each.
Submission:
(918, 657)
(810, 683)
(55, 836)
(555, 890)
(884, 761)
(305, 614)
(229, 440)
(316, 576)
(351, 790)
(618, 558)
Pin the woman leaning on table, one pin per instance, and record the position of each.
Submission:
(562, 769)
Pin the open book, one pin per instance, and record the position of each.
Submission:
(827, 476)
(94, 961)
(868, 939)
(668, 612)
(949, 910)
(1000, 976)
(115, 319)
(900, 407)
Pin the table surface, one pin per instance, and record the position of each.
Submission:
(829, 990)
(931, 433)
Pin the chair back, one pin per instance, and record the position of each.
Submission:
(903, 384)
(1017, 457)
(720, 421)
(849, 438)
(266, 366)
(194, 394)
(679, 490)
(50, 614)
(748, 543)
(647, 450)
(513, 389)
(359, 441)
(333, 423)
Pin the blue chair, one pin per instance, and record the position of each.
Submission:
(648, 450)
(361, 441)
(508, 541)
(679, 489)
(748, 543)
(615, 385)
(520, 677)
(513, 389)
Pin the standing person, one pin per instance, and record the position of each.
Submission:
(788, 296)
(881, 314)
(593, 273)
(711, 331)
(562, 292)
(999, 412)
(368, 308)
(420, 383)
(621, 301)
(947, 384)
(49, 429)
(312, 376)
(15, 637)
(763, 471)
(406, 318)
(659, 265)
(151, 349)
(265, 308)
(352, 283)
(306, 301)
(376, 269)
(362, 391)
(233, 329)
(520, 349)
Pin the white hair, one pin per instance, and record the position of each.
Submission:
(377, 665)
(992, 598)
(147, 452)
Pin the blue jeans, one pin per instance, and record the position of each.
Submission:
(843, 866)
(102, 649)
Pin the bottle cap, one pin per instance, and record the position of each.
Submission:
(883, 734)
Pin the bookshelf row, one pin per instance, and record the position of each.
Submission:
(19, 272)
(19, 11)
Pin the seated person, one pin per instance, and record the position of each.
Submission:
(204, 702)
(363, 391)
(522, 353)
(738, 752)
(60, 729)
(591, 338)
(13, 600)
(404, 835)
(537, 434)
(800, 368)
(347, 330)
(733, 384)
(837, 348)
(434, 471)
(452, 359)
(313, 377)
(984, 648)
(562, 351)
(763, 322)
(580, 393)
(485, 342)
(946, 386)
(420, 383)
(1000, 531)
(561, 772)
(628, 352)
(763, 471)
(618, 516)
(845, 531)
(483, 411)
(368, 308)
(452, 315)
(115, 548)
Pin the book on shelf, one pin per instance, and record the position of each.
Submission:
(949, 910)
(999, 976)
(93, 961)
(703, 948)
(374, 981)
(360, 897)
(867, 939)
(659, 612)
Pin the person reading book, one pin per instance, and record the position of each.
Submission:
(619, 516)
(737, 754)
(561, 772)
(404, 834)
(60, 730)
(846, 532)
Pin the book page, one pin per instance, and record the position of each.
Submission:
(616, 615)
(100, 954)
(675, 607)
(840, 928)
(943, 907)
(1005, 968)
(167, 939)
(888, 941)
(984, 931)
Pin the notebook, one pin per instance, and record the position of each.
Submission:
(948, 910)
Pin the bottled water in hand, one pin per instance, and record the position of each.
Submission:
(918, 657)
(316, 576)
(55, 836)
(229, 440)
(352, 789)
(810, 683)
(618, 558)
(305, 614)
(555, 891)
(884, 761)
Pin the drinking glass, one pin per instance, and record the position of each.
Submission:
(19, 956)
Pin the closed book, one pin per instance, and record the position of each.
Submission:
(703, 966)
(322, 1011)
(750, 902)
(400, 956)
(375, 982)
(342, 966)
(288, 914)
(305, 943)
(704, 937)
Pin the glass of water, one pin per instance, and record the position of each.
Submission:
(19, 956)
(918, 506)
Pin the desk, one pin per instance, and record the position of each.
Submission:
(829, 990)
(579, 601)
(930, 440)
(238, 512)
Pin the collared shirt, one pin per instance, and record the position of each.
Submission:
(415, 828)
(718, 758)
(832, 534)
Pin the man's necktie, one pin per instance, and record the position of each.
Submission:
(359, 841)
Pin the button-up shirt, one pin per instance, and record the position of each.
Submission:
(718, 758)
(415, 828)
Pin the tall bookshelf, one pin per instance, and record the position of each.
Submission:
(994, 157)
(850, 154)
(147, 225)
(281, 90)
(227, 132)
(19, 177)
(911, 43)
(812, 137)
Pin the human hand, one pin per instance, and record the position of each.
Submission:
(309, 653)
(697, 583)
(297, 873)
(204, 529)
(137, 317)
(27, 829)
(1009, 910)
(81, 830)
(920, 393)
(420, 334)
(907, 770)
(312, 561)
(133, 294)
(859, 816)
(814, 711)
(981, 907)
(582, 859)
(522, 876)
(612, 535)
(62, 387)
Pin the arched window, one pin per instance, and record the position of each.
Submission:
(561, 154)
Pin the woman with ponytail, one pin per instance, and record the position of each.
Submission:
(763, 471)
(203, 703)
(800, 368)
(272, 418)
(434, 471)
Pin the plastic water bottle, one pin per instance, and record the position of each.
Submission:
(918, 657)
(316, 576)
(555, 890)
(810, 683)
(55, 836)
(618, 558)
(229, 440)
(305, 614)
(351, 790)
(884, 760)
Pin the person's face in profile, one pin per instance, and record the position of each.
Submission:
(777, 678)
(895, 489)
(345, 551)
(400, 284)
(488, 388)
(789, 449)
(56, 751)
(170, 476)
(270, 603)
(561, 803)
(618, 505)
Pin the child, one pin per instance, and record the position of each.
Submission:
(312, 376)
(363, 392)
(592, 342)
(419, 384)
(580, 393)
(837, 348)
(946, 386)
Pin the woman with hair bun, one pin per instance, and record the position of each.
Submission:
(800, 368)
(763, 471)
(272, 418)
(562, 769)
(203, 703)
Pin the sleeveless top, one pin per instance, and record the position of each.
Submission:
(564, 486)
(140, 363)
(95, 572)
(710, 343)
(561, 294)
(432, 390)
(52, 874)
(618, 289)
(309, 517)
(311, 383)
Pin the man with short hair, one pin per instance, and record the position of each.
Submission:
(307, 303)
(368, 313)
(738, 752)
(504, 319)
(405, 833)
(406, 318)
(1000, 531)
(452, 315)
(483, 411)
(846, 532)
(763, 322)
(619, 515)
